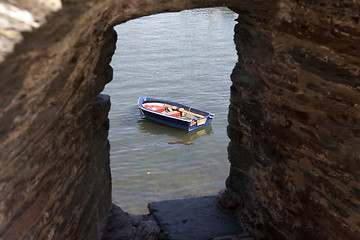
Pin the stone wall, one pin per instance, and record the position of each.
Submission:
(54, 169)
(294, 119)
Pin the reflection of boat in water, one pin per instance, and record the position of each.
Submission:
(174, 114)
(181, 137)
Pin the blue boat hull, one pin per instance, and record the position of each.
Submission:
(177, 122)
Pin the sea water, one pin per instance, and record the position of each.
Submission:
(185, 57)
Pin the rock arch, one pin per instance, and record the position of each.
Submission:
(293, 120)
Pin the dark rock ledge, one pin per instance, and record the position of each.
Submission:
(197, 218)
(124, 226)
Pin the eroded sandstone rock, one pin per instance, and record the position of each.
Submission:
(294, 119)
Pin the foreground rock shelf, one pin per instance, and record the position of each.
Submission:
(197, 218)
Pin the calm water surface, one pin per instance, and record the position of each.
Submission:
(185, 57)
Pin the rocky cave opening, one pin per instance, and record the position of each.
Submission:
(298, 63)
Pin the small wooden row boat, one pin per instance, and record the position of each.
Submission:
(174, 114)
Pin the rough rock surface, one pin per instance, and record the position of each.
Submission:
(54, 171)
(195, 218)
(122, 225)
(294, 119)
